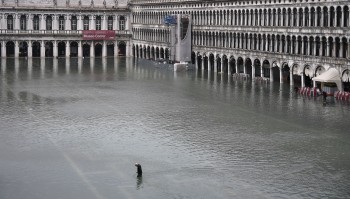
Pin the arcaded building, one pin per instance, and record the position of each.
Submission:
(286, 41)
(64, 28)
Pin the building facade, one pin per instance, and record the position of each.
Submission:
(288, 41)
(73, 29)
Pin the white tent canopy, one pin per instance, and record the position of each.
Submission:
(331, 75)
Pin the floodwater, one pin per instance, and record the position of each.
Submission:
(75, 128)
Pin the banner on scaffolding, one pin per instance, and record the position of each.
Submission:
(98, 35)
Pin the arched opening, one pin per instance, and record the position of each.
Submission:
(162, 53)
(98, 50)
(23, 49)
(346, 80)
(248, 67)
(205, 63)
(61, 49)
(36, 49)
(218, 64)
(10, 49)
(157, 53)
(122, 48)
(144, 52)
(193, 57)
(285, 73)
(266, 69)
(49, 49)
(199, 61)
(275, 72)
(240, 65)
(308, 74)
(257, 67)
(319, 70)
(233, 65)
(211, 60)
(110, 50)
(148, 52)
(225, 64)
(73, 49)
(167, 55)
(86, 50)
(152, 53)
(296, 76)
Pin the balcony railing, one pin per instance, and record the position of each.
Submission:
(53, 32)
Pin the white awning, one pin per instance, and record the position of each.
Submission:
(331, 75)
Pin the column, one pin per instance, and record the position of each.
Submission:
(92, 49)
(3, 49)
(55, 50)
(104, 22)
(30, 22)
(16, 49)
(42, 49)
(68, 25)
(302, 80)
(291, 78)
(30, 49)
(116, 50)
(334, 48)
(222, 65)
(281, 76)
(342, 17)
(16, 21)
(92, 20)
(116, 23)
(42, 22)
(209, 67)
(67, 49)
(55, 22)
(271, 74)
(253, 72)
(80, 49)
(328, 50)
(80, 22)
(215, 65)
(104, 49)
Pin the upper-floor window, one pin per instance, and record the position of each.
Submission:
(10, 22)
(61, 22)
(121, 23)
(110, 23)
(98, 23)
(23, 22)
(86, 23)
(36, 22)
(48, 23)
(74, 23)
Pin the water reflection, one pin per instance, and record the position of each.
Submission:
(139, 182)
(220, 137)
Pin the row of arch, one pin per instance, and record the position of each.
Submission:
(284, 72)
(150, 52)
(158, 35)
(64, 49)
(320, 16)
(302, 45)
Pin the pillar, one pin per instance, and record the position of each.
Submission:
(215, 65)
(68, 22)
(42, 22)
(42, 49)
(104, 49)
(80, 49)
(30, 49)
(92, 49)
(92, 21)
(67, 49)
(3, 49)
(55, 49)
(16, 48)
(303, 80)
(281, 75)
(291, 78)
(116, 50)
(271, 73)
(30, 22)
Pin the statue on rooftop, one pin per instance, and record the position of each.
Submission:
(80, 3)
(116, 3)
(104, 3)
(55, 3)
(92, 4)
(67, 3)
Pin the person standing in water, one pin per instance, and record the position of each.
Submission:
(139, 169)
